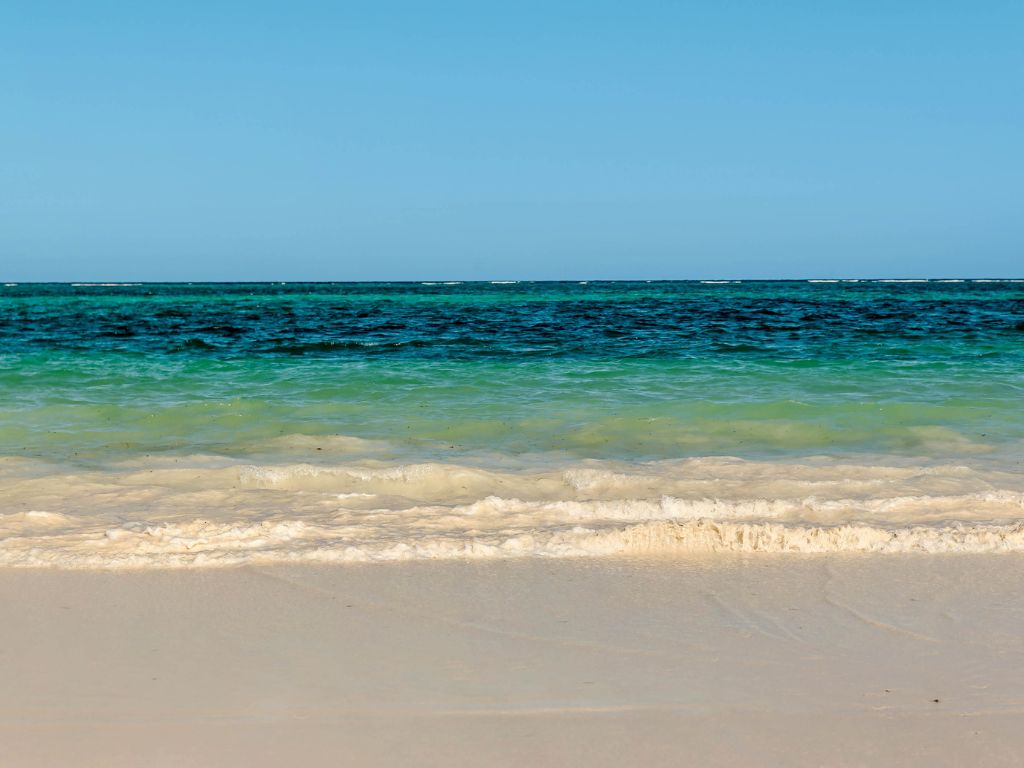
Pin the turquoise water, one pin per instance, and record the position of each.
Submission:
(218, 424)
(598, 370)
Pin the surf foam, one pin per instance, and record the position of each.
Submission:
(209, 514)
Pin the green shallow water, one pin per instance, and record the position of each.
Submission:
(649, 409)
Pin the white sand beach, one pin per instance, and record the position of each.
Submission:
(850, 660)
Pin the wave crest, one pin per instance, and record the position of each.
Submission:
(202, 543)
(216, 513)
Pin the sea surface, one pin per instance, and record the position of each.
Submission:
(215, 424)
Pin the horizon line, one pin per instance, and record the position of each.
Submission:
(113, 283)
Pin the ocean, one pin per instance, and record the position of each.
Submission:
(174, 425)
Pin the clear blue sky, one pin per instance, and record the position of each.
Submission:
(398, 140)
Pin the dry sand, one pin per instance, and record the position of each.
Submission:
(757, 660)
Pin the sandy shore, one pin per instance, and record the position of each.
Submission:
(765, 660)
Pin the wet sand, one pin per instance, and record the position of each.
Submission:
(731, 660)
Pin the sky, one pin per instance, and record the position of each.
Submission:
(400, 140)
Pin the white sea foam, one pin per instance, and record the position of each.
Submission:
(202, 543)
(33, 518)
(206, 512)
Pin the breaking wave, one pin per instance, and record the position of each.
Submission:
(214, 513)
(202, 543)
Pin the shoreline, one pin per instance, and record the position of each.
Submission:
(724, 660)
(217, 512)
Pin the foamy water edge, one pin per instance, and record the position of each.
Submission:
(212, 514)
